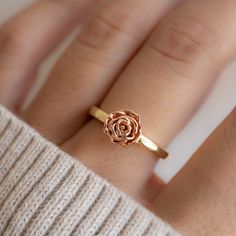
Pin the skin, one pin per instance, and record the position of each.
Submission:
(161, 64)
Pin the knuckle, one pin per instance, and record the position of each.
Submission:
(104, 27)
(183, 40)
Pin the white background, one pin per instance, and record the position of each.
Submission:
(220, 102)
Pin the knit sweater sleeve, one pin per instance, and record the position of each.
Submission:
(44, 191)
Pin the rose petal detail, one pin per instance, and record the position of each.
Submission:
(123, 127)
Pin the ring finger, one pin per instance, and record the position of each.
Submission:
(89, 66)
(165, 83)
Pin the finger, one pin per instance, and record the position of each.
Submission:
(204, 191)
(165, 84)
(31, 36)
(88, 68)
(154, 187)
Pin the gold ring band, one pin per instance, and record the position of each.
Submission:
(124, 128)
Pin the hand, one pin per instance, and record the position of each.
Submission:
(126, 57)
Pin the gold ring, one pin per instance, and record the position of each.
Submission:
(124, 128)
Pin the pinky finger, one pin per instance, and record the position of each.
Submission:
(28, 38)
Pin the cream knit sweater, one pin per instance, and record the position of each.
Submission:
(44, 191)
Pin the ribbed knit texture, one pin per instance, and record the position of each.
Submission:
(44, 191)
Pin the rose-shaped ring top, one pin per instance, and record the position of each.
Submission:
(123, 127)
